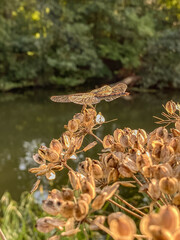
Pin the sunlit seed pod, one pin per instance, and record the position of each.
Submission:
(164, 170)
(166, 153)
(122, 226)
(73, 125)
(117, 147)
(99, 202)
(56, 145)
(110, 190)
(156, 151)
(175, 132)
(37, 158)
(158, 233)
(66, 141)
(168, 185)
(81, 210)
(78, 142)
(124, 140)
(177, 124)
(146, 171)
(152, 219)
(100, 118)
(130, 164)
(66, 209)
(52, 155)
(74, 180)
(86, 197)
(143, 133)
(89, 146)
(110, 161)
(50, 175)
(117, 133)
(124, 171)
(70, 232)
(108, 141)
(177, 172)
(55, 194)
(113, 175)
(176, 235)
(154, 189)
(67, 194)
(143, 160)
(88, 188)
(170, 218)
(51, 206)
(141, 139)
(162, 133)
(171, 107)
(43, 226)
(42, 152)
(97, 170)
(35, 186)
(100, 220)
(176, 199)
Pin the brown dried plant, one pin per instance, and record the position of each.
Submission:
(129, 158)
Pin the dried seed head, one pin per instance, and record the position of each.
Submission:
(47, 224)
(78, 142)
(66, 209)
(51, 206)
(85, 197)
(122, 226)
(124, 171)
(164, 170)
(108, 141)
(66, 140)
(168, 185)
(97, 169)
(37, 158)
(170, 107)
(56, 145)
(113, 175)
(87, 187)
(154, 189)
(81, 210)
(170, 218)
(99, 202)
(147, 221)
(162, 133)
(166, 153)
(73, 125)
(124, 140)
(175, 132)
(117, 133)
(79, 117)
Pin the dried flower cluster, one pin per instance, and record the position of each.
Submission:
(129, 158)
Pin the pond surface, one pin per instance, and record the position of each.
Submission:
(31, 119)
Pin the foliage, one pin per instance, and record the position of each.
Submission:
(129, 158)
(69, 42)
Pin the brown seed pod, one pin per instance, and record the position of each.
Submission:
(66, 140)
(113, 175)
(166, 153)
(152, 219)
(156, 151)
(122, 226)
(176, 235)
(175, 132)
(154, 189)
(66, 209)
(47, 224)
(162, 133)
(168, 185)
(81, 210)
(110, 160)
(108, 141)
(117, 133)
(37, 158)
(51, 206)
(85, 197)
(124, 171)
(171, 107)
(158, 233)
(124, 140)
(73, 125)
(143, 160)
(176, 199)
(177, 124)
(170, 218)
(79, 117)
(78, 142)
(144, 134)
(97, 169)
(50, 175)
(56, 145)
(163, 170)
(74, 180)
(87, 187)
(67, 194)
(99, 201)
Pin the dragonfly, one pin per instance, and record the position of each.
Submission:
(105, 92)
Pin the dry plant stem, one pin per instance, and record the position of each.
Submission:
(125, 209)
(102, 227)
(137, 180)
(96, 137)
(129, 205)
(165, 198)
(2, 235)
(68, 167)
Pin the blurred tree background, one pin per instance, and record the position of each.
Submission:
(72, 42)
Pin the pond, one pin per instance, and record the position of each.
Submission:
(30, 119)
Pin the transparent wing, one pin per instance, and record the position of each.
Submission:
(62, 98)
(84, 98)
(119, 88)
(103, 91)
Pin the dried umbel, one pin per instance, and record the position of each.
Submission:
(128, 158)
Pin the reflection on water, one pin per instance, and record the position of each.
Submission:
(30, 120)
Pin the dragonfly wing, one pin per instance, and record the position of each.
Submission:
(62, 98)
(84, 98)
(103, 91)
(119, 88)
(109, 99)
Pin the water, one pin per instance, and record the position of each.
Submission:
(31, 119)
